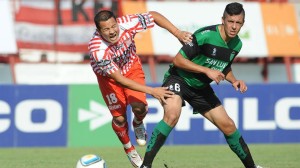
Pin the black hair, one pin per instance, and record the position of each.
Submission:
(234, 8)
(103, 15)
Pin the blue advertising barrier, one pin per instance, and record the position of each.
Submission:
(264, 114)
(38, 116)
(33, 116)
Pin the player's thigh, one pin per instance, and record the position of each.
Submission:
(136, 99)
(172, 110)
(114, 97)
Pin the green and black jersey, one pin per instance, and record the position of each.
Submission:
(207, 49)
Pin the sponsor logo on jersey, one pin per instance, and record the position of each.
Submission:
(114, 107)
(217, 64)
(103, 62)
(124, 58)
(214, 53)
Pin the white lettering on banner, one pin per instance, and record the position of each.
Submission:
(232, 107)
(4, 109)
(53, 119)
(282, 113)
(277, 30)
(250, 117)
(184, 123)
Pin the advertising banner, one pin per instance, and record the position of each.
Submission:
(264, 114)
(43, 116)
(281, 30)
(57, 25)
(89, 118)
(8, 44)
(33, 116)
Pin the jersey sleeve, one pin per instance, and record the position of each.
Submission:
(137, 22)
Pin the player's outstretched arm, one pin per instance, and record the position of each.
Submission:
(159, 93)
(162, 21)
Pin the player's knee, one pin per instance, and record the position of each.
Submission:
(171, 118)
(229, 127)
(139, 108)
(120, 120)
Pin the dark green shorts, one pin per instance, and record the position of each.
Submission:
(202, 100)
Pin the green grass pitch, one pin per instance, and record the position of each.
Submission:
(208, 156)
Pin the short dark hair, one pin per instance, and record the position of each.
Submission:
(103, 15)
(234, 8)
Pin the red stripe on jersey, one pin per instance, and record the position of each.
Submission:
(121, 20)
(127, 18)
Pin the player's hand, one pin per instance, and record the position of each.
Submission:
(240, 85)
(215, 75)
(184, 37)
(161, 93)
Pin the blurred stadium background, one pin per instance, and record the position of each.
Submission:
(49, 95)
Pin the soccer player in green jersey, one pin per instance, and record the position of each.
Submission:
(206, 59)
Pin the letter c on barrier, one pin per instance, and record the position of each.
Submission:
(4, 123)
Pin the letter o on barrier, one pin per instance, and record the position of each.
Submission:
(23, 116)
(282, 113)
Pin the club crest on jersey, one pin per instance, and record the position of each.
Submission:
(214, 53)
(119, 46)
(103, 62)
(142, 21)
(232, 54)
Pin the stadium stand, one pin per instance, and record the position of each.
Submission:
(57, 36)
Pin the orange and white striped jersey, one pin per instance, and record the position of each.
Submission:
(106, 58)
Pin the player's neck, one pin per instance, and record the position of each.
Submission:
(223, 35)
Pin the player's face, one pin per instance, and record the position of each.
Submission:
(109, 30)
(232, 24)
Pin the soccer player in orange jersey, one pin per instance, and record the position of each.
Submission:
(119, 71)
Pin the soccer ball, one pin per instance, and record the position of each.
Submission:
(91, 161)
